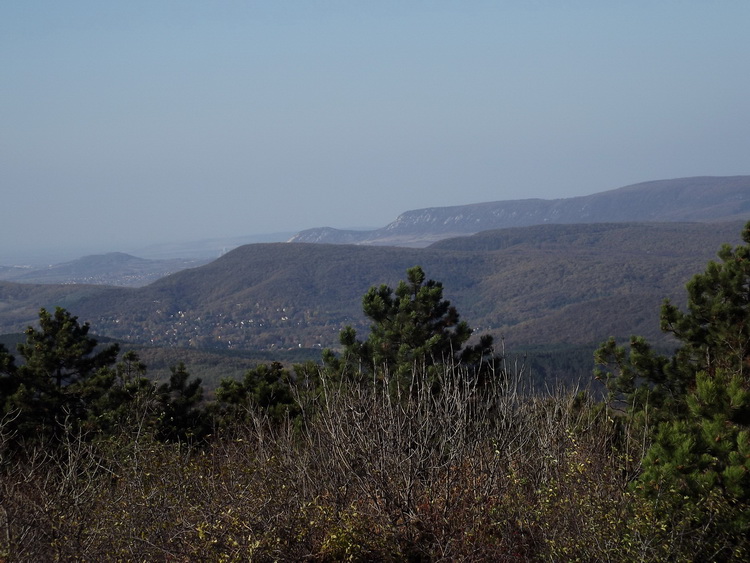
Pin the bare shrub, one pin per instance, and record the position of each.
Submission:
(442, 472)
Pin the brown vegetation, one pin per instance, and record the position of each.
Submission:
(465, 474)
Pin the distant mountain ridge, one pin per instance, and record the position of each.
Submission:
(696, 199)
(113, 268)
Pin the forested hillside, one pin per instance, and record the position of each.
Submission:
(551, 284)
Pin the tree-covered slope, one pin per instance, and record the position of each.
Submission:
(535, 285)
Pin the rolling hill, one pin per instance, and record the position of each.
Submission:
(113, 268)
(548, 284)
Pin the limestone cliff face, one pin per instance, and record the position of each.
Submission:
(699, 199)
(329, 235)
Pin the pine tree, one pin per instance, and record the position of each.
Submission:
(694, 406)
(63, 372)
(697, 469)
(412, 327)
(8, 380)
(131, 403)
(267, 387)
(183, 418)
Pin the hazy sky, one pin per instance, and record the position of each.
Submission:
(135, 122)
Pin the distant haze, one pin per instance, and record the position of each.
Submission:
(129, 124)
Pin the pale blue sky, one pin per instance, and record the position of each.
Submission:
(136, 122)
